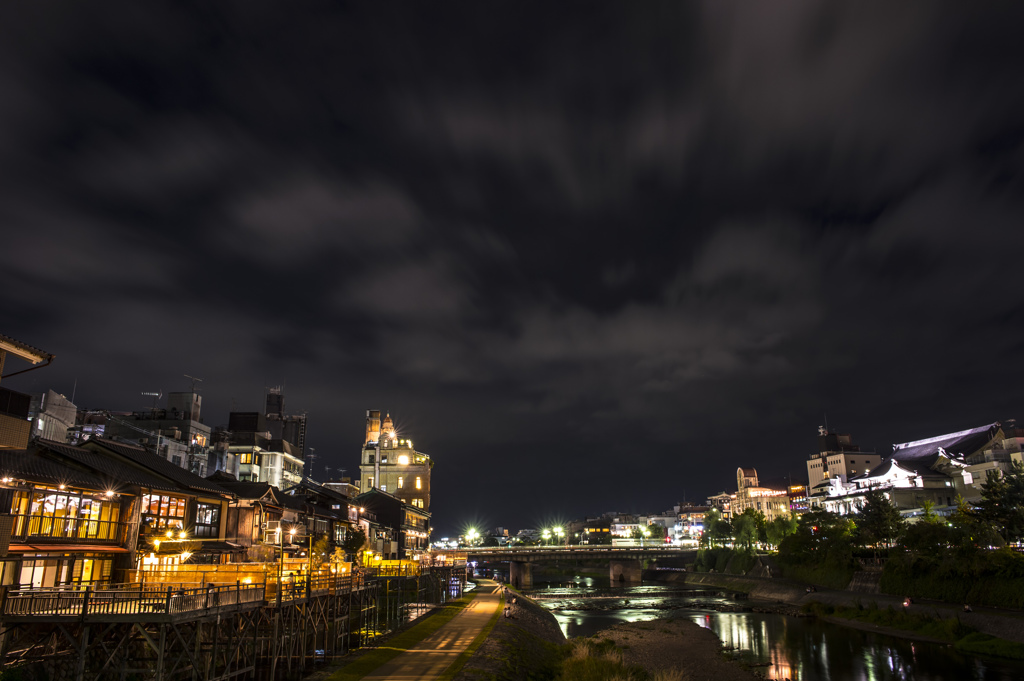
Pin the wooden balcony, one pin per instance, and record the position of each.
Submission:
(49, 529)
(129, 602)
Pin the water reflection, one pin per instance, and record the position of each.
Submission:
(781, 647)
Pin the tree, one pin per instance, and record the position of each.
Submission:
(658, 533)
(354, 541)
(879, 521)
(1002, 502)
(489, 540)
(746, 528)
(318, 553)
(822, 538)
(780, 528)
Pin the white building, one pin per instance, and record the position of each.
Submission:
(936, 469)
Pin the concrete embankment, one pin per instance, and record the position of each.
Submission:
(521, 647)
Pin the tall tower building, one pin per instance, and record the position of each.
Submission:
(391, 464)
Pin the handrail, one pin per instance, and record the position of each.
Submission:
(63, 602)
(28, 527)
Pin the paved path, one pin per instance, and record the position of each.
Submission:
(436, 653)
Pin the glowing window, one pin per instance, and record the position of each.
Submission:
(419, 483)
(401, 482)
(403, 459)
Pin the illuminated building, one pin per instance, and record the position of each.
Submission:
(409, 525)
(772, 501)
(391, 464)
(936, 470)
(723, 502)
(93, 514)
(837, 457)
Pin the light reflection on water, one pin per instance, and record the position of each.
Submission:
(782, 647)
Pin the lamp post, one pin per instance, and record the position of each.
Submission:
(559, 532)
(546, 534)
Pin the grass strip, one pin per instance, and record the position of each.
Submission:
(460, 662)
(402, 642)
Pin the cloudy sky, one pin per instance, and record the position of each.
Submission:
(591, 257)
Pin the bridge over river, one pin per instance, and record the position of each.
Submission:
(625, 563)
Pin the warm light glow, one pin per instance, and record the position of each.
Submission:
(110, 493)
(403, 459)
(185, 555)
(170, 534)
(292, 532)
(60, 486)
(181, 535)
(156, 544)
(247, 580)
(6, 480)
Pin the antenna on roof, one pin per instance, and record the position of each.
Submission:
(155, 395)
(311, 457)
(194, 381)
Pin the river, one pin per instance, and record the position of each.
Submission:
(783, 647)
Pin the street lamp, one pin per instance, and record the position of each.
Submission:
(559, 532)
(472, 536)
(547, 536)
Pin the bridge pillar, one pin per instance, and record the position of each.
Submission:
(520, 574)
(625, 571)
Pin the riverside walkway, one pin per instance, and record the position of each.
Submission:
(437, 652)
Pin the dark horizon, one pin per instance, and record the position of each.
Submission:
(591, 261)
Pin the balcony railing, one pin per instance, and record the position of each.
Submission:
(50, 528)
(71, 602)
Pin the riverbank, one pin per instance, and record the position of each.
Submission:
(530, 644)
(1007, 625)
(681, 645)
(526, 645)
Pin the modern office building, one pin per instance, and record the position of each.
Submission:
(176, 433)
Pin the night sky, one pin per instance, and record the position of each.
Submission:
(591, 257)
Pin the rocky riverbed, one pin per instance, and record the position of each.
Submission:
(531, 645)
(662, 645)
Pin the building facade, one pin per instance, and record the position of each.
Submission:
(838, 457)
(391, 464)
(771, 501)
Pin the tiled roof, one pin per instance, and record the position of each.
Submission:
(920, 455)
(28, 465)
(965, 443)
(106, 467)
(249, 490)
(161, 466)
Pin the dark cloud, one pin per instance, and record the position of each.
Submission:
(606, 244)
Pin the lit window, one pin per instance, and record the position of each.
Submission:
(419, 482)
(383, 488)
(403, 459)
(401, 480)
(370, 481)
